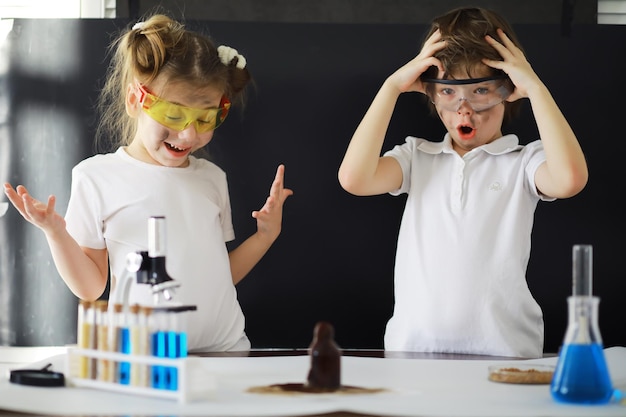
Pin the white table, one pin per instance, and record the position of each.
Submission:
(414, 387)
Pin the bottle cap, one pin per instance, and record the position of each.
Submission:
(37, 377)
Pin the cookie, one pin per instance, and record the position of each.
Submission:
(521, 374)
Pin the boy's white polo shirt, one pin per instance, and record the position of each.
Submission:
(463, 248)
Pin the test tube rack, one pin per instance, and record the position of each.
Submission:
(194, 382)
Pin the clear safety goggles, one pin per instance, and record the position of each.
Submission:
(177, 117)
(480, 93)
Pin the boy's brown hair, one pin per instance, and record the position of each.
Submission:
(464, 30)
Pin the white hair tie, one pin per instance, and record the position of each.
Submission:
(227, 54)
(139, 25)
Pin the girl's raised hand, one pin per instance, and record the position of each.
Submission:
(34, 211)
(269, 217)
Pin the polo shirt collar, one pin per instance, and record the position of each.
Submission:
(505, 144)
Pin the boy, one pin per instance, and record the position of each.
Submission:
(464, 242)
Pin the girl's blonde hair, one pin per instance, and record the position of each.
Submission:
(160, 47)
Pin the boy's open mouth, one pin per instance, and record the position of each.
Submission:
(466, 132)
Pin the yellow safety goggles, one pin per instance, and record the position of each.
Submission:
(177, 117)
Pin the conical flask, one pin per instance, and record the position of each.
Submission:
(581, 375)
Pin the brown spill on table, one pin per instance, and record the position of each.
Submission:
(325, 372)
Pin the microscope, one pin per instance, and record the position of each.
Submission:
(168, 336)
(148, 267)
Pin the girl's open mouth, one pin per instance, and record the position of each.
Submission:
(176, 149)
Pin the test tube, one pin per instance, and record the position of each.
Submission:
(159, 347)
(85, 335)
(120, 338)
(102, 339)
(113, 340)
(134, 335)
(90, 337)
(182, 334)
(144, 344)
(178, 341)
(124, 324)
(173, 344)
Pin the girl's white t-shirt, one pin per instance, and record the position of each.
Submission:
(113, 196)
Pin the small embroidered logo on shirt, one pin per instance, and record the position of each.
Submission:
(495, 186)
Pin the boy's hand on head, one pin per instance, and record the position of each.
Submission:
(514, 64)
(269, 217)
(34, 211)
(407, 78)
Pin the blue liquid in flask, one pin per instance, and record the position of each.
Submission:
(581, 375)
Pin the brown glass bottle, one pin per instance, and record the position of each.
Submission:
(325, 372)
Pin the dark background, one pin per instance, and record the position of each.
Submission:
(314, 81)
(358, 11)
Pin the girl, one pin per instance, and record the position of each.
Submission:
(166, 91)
